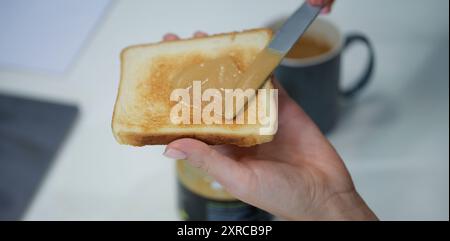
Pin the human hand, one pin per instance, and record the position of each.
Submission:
(326, 3)
(297, 176)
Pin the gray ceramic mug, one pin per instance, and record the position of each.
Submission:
(314, 82)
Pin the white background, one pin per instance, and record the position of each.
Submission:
(393, 137)
(32, 32)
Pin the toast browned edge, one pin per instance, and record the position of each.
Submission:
(136, 139)
(211, 139)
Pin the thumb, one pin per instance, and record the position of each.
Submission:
(231, 174)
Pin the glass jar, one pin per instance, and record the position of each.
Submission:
(200, 198)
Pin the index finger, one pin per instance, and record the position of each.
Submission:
(170, 37)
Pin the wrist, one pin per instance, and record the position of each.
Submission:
(345, 206)
(348, 206)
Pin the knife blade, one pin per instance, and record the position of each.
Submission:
(268, 59)
(294, 28)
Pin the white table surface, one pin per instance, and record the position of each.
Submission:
(393, 137)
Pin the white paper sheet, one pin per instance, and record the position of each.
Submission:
(45, 35)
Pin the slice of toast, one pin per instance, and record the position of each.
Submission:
(142, 109)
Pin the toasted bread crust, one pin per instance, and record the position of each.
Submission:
(219, 35)
(211, 139)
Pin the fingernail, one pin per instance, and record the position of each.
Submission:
(174, 154)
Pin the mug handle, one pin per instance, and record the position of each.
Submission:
(365, 78)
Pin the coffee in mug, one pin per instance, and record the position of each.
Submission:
(308, 46)
(310, 72)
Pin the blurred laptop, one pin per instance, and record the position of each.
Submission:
(44, 36)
